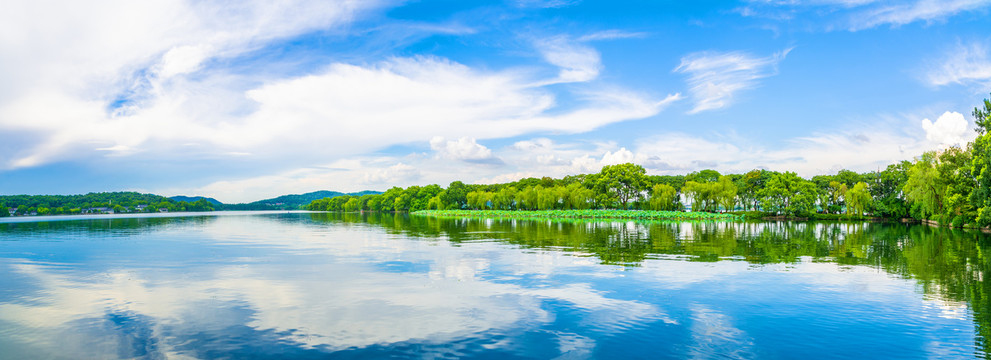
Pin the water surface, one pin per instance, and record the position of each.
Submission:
(298, 285)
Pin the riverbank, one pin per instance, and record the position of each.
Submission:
(583, 214)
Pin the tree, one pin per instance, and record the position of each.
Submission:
(457, 195)
(749, 185)
(982, 117)
(352, 205)
(622, 182)
(980, 169)
(789, 194)
(726, 193)
(548, 198)
(577, 196)
(424, 195)
(435, 203)
(857, 199)
(663, 197)
(503, 199)
(886, 189)
(922, 189)
(527, 198)
(703, 176)
(954, 171)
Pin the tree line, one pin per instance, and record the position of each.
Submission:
(118, 202)
(950, 186)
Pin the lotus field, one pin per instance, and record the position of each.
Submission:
(583, 214)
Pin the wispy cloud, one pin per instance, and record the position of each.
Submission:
(715, 78)
(855, 15)
(612, 35)
(578, 62)
(922, 10)
(546, 3)
(964, 64)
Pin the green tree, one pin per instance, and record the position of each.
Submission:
(749, 185)
(886, 191)
(982, 117)
(858, 199)
(578, 197)
(726, 193)
(423, 196)
(703, 176)
(789, 194)
(352, 205)
(664, 197)
(622, 182)
(527, 198)
(548, 198)
(436, 203)
(504, 198)
(980, 169)
(923, 189)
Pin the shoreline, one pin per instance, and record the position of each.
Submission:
(584, 214)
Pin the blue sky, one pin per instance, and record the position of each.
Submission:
(257, 99)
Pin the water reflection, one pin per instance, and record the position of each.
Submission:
(374, 285)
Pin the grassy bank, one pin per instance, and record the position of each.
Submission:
(582, 214)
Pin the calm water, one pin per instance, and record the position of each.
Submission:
(319, 285)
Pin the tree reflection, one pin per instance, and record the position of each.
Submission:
(950, 265)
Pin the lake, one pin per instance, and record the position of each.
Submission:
(316, 285)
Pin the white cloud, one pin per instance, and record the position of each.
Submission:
(464, 148)
(619, 157)
(969, 65)
(856, 15)
(546, 3)
(578, 63)
(948, 130)
(851, 146)
(65, 64)
(404, 100)
(396, 174)
(921, 10)
(612, 34)
(534, 144)
(183, 59)
(714, 78)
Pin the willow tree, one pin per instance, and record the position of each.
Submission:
(663, 197)
(858, 199)
(922, 189)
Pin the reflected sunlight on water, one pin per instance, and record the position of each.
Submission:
(375, 285)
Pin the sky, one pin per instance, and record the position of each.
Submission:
(248, 100)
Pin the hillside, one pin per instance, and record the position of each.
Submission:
(190, 199)
(293, 201)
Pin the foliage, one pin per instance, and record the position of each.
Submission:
(664, 197)
(77, 204)
(584, 214)
(788, 194)
(980, 170)
(886, 189)
(622, 183)
(982, 118)
(858, 199)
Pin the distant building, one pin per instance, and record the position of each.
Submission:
(12, 211)
(97, 210)
(141, 207)
(163, 210)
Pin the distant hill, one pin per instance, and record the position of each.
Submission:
(294, 201)
(195, 198)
